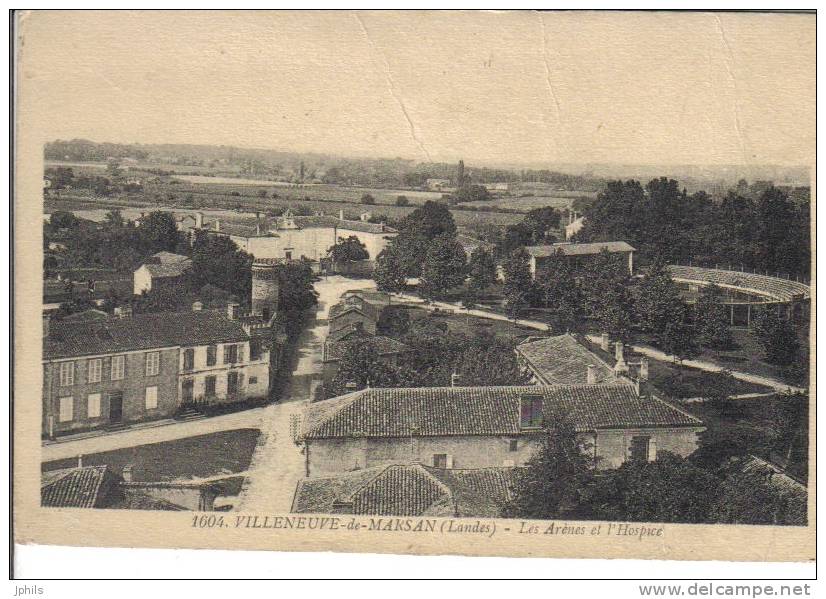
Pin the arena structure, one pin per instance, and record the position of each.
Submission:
(745, 293)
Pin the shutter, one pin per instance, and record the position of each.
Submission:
(449, 462)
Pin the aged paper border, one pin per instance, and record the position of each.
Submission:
(112, 528)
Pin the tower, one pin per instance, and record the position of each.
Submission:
(265, 287)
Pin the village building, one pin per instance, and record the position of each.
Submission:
(563, 360)
(362, 308)
(484, 427)
(407, 490)
(578, 254)
(102, 487)
(439, 184)
(163, 270)
(131, 368)
(290, 237)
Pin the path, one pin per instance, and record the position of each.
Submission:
(278, 463)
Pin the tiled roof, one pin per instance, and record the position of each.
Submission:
(407, 490)
(134, 499)
(447, 411)
(578, 249)
(776, 475)
(140, 331)
(74, 487)
(772, 287)
(563, 360)
(170, 269)
(306, 222)
(384, 346)
(169, 257)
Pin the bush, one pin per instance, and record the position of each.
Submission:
(368, 199)
(402, 201)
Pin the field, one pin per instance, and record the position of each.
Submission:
(224, 453)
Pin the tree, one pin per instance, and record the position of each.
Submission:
(429, 220)
(559, 292)
(540, 222)
(361, 366)
(114, 219)
(749, 498)
(61, 219)
(113, 169)
(216, 260)
(296, 295)
(555, 479)
(394, 321)
(158, 232)
(661, 312)
(346, 250)
(479, 352)
(368, 199)
(389, 273)
(470, 193)
(481, 269)
(777, 337)
(711, 320)
(402, 201)
(444, 267)
(518, 286)
(262, 193)
(669, 489)
(606, 289)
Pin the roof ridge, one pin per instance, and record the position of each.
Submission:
(351, 399)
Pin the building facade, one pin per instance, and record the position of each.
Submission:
(484, 427)
(578, 254)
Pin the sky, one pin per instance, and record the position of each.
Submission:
(488, 87)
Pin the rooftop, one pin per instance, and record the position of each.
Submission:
(448, 411)
(140, 332)
(578, 249)
(82, 487)
(407, 490)
(168, 258)
(771, 287)
(563, 360)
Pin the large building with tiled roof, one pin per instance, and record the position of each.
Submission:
(481, 427)
(578, 253)
(290, 237)
(407, 490)
(135, 367)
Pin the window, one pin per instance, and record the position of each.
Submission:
(513, 445)
(153, 363)
(640, 448)
(151, 398)
(209, 386)
(118, 367)
(212, 355)
(187, 388)
(531, 411)
(230, 354)
(255, 349)
(95, 369)
(189, 359)
(93, 405)
(67, 409)
(442, 460)
(253, 380)
(288, 255)
(233, 383)
(67, 374)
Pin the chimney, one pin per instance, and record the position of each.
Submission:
(454, 379)
(199, 220)
(620, 367)
(197, 306)
(127, 473)
(232, 310)
(591, 376)
(80, 460)
(644, 369)
(605, 342)
(46, 320)
(217, 225)
(341, 215)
